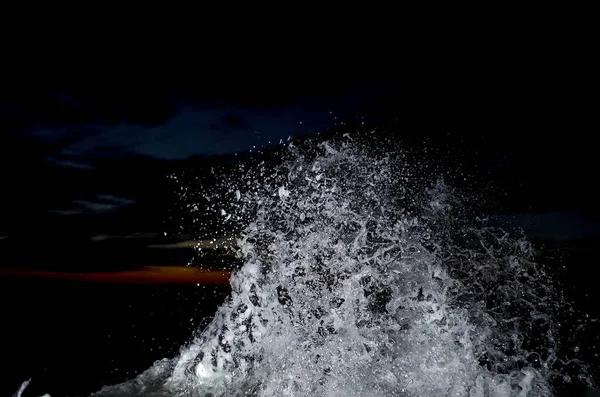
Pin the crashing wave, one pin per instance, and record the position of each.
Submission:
(362, 279)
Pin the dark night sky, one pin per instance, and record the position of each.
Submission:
(90, 158)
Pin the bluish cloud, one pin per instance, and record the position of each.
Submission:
(173, 127)
(192, 132)
(100, 204)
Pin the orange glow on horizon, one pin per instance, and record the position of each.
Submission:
(143, 275)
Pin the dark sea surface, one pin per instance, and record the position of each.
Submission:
(73, 337)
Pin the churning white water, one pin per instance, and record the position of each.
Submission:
(363, 278)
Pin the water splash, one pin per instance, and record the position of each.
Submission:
(22, 388)
(360, 278)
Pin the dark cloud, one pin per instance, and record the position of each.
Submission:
(98, 205)
(121, 119)
(71, 128)
(82, 107)
(77, 162)
(231, 122)
(557, 225)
